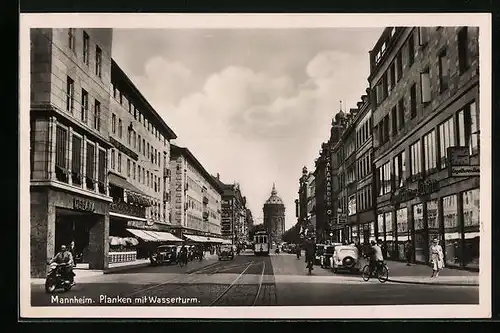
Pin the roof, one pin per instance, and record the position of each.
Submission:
(177, 151)
(274, 199)
(117, 74)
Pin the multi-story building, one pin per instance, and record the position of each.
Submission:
(196, 198)
(138, 160)
(69, 116)
(301, 202)
(424, 85)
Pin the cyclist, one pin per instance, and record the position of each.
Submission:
(310, 247)
(376, 256)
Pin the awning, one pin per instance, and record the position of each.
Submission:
(195, 238)
(154, 236)
(142, 235)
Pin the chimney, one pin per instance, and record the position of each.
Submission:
(218, 176)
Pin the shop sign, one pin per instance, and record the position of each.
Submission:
(83, 205)
(328, 182)
(464, 170)
(424, 188)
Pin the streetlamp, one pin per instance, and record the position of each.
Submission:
(331, 237)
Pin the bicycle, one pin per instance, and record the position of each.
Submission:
(381, 270)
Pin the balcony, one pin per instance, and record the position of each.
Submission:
(121, 207)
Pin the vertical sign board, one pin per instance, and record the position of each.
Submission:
(328, 185)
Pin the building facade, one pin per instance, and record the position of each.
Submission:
(249, 223)
(274, 216)
(138, 163)
(424, 85)
(69, 115)
(196, 197)
(311, 199)
(301, 202)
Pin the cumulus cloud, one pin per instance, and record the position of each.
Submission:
(253, 127)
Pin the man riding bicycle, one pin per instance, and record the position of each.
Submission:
(376, 256)
(310, 248)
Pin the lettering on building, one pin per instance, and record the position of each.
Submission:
(424, 188)
(83, 205)
(464, 170)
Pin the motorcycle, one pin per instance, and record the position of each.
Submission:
(56, 279)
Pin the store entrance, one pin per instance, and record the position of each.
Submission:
(74, 227)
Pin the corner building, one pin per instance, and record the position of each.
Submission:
(425, 94)
(69, 116)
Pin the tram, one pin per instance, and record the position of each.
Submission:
(261, 243)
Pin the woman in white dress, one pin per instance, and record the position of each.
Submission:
(437, 257)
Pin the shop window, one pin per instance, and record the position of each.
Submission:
(419, 228)
(380, 227)
(470, 201)
(446, 139)
(430, 154)
(389, 236)
(452, 234)
(433, 225)
(468, 128)
(402, 231)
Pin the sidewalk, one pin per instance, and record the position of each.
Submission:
(421, 274)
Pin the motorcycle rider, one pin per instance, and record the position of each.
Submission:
(65, 257)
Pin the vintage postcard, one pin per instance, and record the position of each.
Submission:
(255, 166)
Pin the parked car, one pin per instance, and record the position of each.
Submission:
(345, 258)
(163, 254)
(226, 252)
(319, 252)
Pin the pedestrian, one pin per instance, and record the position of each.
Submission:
(408, 253)
(437, 257)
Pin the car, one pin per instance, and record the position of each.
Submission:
(345, 258)
(163, 254)
(319, 251)
(327, 254)
(226, 252)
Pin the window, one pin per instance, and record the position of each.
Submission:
(113, 123)
(392, 75)
(446, 139)
(384, 178)
(423, 36)
(394, 117)
(133, 170)
(71, 39)
(76, 160)
(411, 50)
(135, 113)
(430, 151)
(463, 61)
(113, 159)
(98, 61)
(120, 128)
(85, 105)
(444, 71)
(144, 147)
(119, 162)
(139, 173)
(86, 43)
(134, 140)
(425, 86)
(129, 136)
(97, 115)
(130, 107)
(413, 101)
(90, 166)
(385, 85)
(147, 178)
(401, 113)
(61, 148)
(468, 127)
(386, 128)
(148, 151)
(143, 175)
(415, 159)
(399, 66)
(399, 170)
(70, 94)
(128, 167)
(121, 98)
(101, 171)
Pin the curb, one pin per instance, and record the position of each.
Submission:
(436, 283)
(124, 268)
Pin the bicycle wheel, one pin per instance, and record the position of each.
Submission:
(383, 274)
(366, 273)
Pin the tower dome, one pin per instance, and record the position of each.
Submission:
(274, 199)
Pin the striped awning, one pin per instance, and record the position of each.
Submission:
(154, 236)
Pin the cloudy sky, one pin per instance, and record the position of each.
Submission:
(251, 104)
